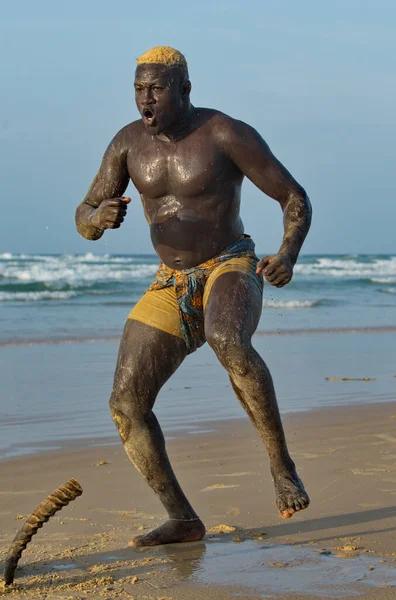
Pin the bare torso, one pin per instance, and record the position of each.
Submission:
(189, 188)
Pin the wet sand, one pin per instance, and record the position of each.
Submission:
(116, 338)
(53, 394)
(343, 546)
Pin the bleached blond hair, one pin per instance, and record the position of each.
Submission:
(164, 55)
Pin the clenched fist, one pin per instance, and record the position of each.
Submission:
(110, 213)
(277, 269)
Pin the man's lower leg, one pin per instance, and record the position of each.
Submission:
(252, 383)
(144, 443)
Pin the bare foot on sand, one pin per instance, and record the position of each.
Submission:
(171, 532)
(290, 493)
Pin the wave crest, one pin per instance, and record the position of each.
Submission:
(35, 296)
(383, 280)
(290, 303)
(347, 267)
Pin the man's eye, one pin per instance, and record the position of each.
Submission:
(157, 88)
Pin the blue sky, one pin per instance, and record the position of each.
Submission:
(317, 80)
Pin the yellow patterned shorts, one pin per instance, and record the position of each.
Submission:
(159, 308)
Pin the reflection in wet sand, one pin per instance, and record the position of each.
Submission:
(270, 570)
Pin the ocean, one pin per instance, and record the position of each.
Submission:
(81, 297)
(62, 316)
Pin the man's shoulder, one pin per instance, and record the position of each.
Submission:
(131, 130)
(126, 137)
(223, 126)
(214, 117)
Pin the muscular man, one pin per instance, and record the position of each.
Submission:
(188, 165)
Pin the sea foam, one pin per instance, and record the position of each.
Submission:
(290, 303)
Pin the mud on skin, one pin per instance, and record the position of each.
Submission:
(188, 165)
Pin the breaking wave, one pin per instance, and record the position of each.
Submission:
(358, 268)
(40, 277)
(69, 277)
(35, 296)
(291, 303)
(383, 280)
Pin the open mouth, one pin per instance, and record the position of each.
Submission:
(148, 115)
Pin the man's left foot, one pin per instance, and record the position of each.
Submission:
(171, 532)
(290, 493)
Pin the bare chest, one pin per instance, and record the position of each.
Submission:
(186, 168)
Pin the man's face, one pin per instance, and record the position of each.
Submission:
(159, 96)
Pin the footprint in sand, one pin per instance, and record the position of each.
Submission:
(242, 474)
(387, 437)
(372, 471)
(217, 486)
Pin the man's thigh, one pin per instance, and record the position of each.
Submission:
(147, 357)
(233, 300)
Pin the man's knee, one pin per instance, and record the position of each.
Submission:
(231, 347)
(126, 410)
(122, 422)
(131, 390)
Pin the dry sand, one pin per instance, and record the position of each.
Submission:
(343, 545)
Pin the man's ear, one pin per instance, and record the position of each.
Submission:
(186, 88)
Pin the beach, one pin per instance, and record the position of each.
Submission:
(205, 165)
(328, 340)
(341, 434)
(56, 393)
(342, 546)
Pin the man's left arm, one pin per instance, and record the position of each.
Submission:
(251, 154)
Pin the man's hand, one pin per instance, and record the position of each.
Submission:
(109, 214)
(277, 269)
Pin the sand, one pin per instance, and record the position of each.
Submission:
(343, 545)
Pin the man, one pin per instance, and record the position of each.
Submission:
(188, 165)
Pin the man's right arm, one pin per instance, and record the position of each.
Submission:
(104, 207)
